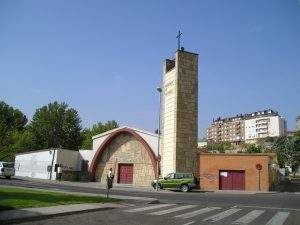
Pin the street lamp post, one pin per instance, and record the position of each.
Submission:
(158, 142)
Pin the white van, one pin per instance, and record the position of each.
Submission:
(7, 169)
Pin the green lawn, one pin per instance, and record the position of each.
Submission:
(13, 198)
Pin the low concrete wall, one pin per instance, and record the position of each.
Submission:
(75, 176)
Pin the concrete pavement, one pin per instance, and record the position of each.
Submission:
(21, 215)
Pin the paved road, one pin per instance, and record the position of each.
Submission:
(178, 214)
(184, 208)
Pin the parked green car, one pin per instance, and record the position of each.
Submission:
(184, 181)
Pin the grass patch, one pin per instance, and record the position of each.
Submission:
(14, 198)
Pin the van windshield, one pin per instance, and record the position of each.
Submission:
(9, 165)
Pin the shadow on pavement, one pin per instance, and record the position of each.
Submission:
(292, 185)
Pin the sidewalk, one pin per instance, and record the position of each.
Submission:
(15, 215)
(130, 188)
(120, 187)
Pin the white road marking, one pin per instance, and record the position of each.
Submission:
(279, 218)
(176, 209)
(189, 223)
(248, 218)
(264, 207)
(222, 215)
(197, 212)
(149, 208)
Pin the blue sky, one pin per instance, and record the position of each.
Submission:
(104, 58)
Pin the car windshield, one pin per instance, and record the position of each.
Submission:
(170, 176)
(8, 165)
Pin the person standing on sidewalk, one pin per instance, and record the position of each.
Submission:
(110, 177)
(109, 181)
(59, 171)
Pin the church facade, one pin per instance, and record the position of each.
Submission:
(130, 152)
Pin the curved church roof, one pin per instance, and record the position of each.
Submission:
(101, 141)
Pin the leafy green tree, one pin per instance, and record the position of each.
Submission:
(219, 146)
(252, 148)
(11, 121)
(56, 126)
(288, 151)
(20, 141)
(23, 141)
(97, 128)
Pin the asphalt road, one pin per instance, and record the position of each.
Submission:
(182, 208)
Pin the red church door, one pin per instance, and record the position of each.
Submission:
(125, 175)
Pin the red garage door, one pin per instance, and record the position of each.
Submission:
(125, 173)
(232, 179)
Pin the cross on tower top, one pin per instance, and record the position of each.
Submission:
(178, 39)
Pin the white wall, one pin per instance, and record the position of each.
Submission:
(250, 129)
(151, 139)
(35, 164)
(69, 160)
(98, 141)
(86, 155)
(275, 127)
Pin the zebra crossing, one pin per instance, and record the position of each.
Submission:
(216, 214)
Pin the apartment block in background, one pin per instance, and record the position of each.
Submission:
(247, 127)
(262, 124)
(298, 123)
(227, 129)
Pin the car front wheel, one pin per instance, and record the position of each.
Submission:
(184, 188)
(159, 186)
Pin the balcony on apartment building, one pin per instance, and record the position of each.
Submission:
(262, 121)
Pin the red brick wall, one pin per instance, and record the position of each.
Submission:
(211, 164)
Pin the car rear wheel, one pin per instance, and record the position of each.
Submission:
(184, 188)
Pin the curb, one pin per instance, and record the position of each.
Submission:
(46, 216)
(86, 184)
(120, 197)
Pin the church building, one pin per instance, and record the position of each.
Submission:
(133, 153)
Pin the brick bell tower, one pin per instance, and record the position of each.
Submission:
(179, 115)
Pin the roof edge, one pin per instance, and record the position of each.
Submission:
(119, 128)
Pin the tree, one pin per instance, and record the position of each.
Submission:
(23, 141)
(11, 121)
(56, 126)
(252, 148)
(288, 151)
(20, 141)
(97, 128)
(219, 146)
